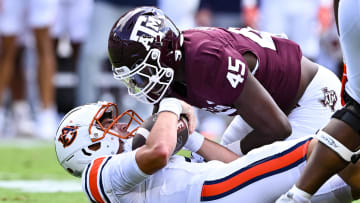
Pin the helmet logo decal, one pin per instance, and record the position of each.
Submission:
(146, 30)
(68, 135)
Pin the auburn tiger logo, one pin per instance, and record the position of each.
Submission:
(68, 135)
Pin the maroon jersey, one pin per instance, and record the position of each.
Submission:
(215, 70)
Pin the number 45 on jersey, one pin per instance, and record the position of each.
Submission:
(263, 39)
(237, 73)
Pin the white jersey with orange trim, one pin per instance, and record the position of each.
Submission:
(260, 176)
(349, 28)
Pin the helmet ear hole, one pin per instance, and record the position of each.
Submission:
(95, 147)
(70, 170)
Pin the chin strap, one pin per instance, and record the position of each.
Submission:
(337, 147)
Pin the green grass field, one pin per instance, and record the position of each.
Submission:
(32, 161)
(22, 161)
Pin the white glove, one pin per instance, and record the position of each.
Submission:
(286, 198)
(294, 195)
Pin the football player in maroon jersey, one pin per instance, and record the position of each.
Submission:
(259, 76)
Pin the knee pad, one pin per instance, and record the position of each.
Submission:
(350, 113)
(337, 147)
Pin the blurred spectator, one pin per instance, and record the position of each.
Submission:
(20, 107)
(15, 15)
(181, 12)
(303, 21)
(69, 32)
(330, 51)
(307, 22)
(250, 13)
(219, 13)
(96, 82)
(21, 111)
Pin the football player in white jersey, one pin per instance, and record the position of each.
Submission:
(90, 142)
(340, 138)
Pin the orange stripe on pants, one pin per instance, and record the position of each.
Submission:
(253, 172)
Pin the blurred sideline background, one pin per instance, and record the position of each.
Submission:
(49, 67)
(82, 73)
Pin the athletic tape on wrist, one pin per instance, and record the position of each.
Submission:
(172, 105)
(194, 142)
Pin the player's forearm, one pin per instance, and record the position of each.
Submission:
(267, 128)
(256, 106)
(211, 150)
(255, 139)
(160, 144)
(163, 134)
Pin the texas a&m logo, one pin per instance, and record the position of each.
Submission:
(330, 98)
(219, 109)
(146, 29)
(68, 135)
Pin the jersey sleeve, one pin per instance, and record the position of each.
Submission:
(106, 176)
(218, 72)
(125, 173)
(93, 182)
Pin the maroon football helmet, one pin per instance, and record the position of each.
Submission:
(144, 47)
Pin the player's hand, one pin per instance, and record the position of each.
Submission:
(178, 107)
(287, 198)
(188, 111)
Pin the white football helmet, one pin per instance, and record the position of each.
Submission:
(81, 129)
